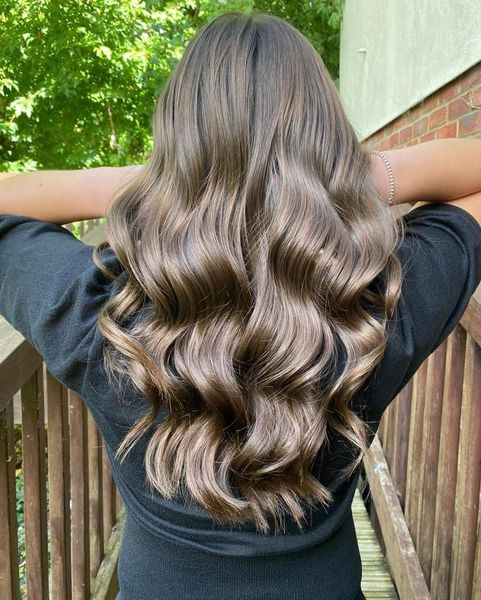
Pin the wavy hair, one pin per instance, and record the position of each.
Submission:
(251, 241)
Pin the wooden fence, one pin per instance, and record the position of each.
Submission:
(424, 472)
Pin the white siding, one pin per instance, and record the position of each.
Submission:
(412, 48)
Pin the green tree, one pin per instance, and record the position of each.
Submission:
(79, 78)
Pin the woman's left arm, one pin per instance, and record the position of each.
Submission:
(63, 196)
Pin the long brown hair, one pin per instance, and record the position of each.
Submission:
(252, 234)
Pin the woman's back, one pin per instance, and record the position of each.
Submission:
(170, 549)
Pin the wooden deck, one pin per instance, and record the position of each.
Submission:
(376, 579)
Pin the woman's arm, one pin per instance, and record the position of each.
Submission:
(63, 196)
(5, 175)
(434, 171)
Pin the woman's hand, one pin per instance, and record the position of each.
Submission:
(63, 196)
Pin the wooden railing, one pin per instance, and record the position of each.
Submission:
(424, 480)
(71, 509)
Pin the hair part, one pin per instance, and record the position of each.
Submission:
(251, 241)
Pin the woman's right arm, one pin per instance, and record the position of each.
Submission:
(63, 196)
(433, 171)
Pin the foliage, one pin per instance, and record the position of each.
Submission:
(320, 22)
(19, 496)
(79, 78)
(21, 531)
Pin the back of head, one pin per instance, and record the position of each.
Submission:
(253, 234)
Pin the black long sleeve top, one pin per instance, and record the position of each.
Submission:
(51, 292)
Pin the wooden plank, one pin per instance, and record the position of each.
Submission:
(376, 580)
(95, 497)
(414, 472)
(9, 579)
(59, 490)
(33, 456)
(400, 552)
(18, 361)
(389, 430)
(447, 464)
(400, 458)
(469, 477)
(477, 561)
(471, 319)
(429, 459)
(382, 426)
(95, 236)
(78, 486)
(106, 584)
(108, 499)
(399, 408)
(68, 493)
(394, 436)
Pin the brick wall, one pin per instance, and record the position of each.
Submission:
(452, 111)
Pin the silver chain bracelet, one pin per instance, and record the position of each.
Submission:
(390, 200)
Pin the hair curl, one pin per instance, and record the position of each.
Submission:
(253, 235)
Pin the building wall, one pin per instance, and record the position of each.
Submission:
(452, 111)
(395, 53)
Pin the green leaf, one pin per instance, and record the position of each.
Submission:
(22, 105)
(103, 52)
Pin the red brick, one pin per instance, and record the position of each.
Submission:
(430, 135)
(415, 112)
(384, 144)
(394, 139)
(458, 107)
(448, 92)
(421, 126)
(476, 97)
(448, 131)
(470, 124)
(387, 130)
(400, 122)
(431, 102)
(469, 78)
(438, 117)
(406, 134)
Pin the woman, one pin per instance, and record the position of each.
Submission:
(255, 308)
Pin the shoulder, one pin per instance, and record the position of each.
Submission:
(440, 255)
